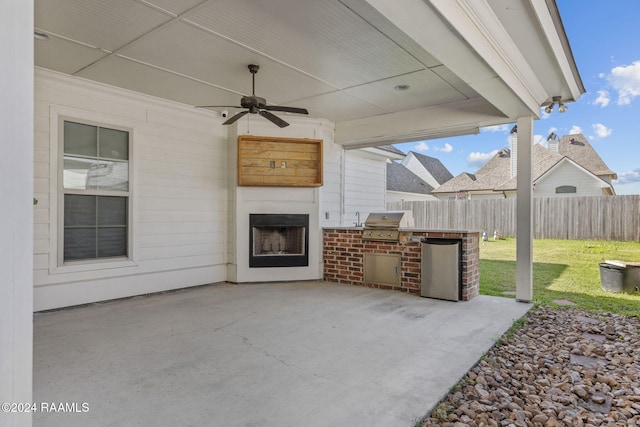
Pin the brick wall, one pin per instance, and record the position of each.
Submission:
(344, 249)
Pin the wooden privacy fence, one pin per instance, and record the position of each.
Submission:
(597, 218)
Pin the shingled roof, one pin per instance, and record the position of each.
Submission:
(439, 172)
(399, 178)
(391, 149)
(495, 175)
(577, 148)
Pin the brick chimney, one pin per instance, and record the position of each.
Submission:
(513, 141)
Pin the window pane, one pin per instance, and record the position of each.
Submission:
(112, 211)
(114, 144)
(79, 210)
(81, 140)
(565, 189)
(112, 241)
(107, 175)
(76, 171)
(79, 243)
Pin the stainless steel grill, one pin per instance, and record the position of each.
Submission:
(386, 225)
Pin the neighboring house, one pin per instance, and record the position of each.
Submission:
(569, 166)
(404, 185)
(415, 178)
(429, 169)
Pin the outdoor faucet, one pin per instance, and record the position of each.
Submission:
(358, 223)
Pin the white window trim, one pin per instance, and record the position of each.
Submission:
(57, 265)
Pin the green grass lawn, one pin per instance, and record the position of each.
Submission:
(562, 269)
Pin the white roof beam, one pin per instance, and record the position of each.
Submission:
(457, 118)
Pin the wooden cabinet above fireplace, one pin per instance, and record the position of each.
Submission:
(279, 162)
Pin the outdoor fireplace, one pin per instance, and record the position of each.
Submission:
(279, 240)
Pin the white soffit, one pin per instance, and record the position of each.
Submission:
(425, 89)
(172, 6)
(191, 51)
(65, 56)
(320, 37)
(340, 59)
(105, 24)
(336, 106)
(138, 77)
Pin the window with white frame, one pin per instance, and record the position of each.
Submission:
(95, 192)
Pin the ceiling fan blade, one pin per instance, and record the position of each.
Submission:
(273, 118)
(218, 106)
(235, 118)
(296, 110)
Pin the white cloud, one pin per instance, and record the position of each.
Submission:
(603, 98)
(626, 81)
(478, 159)
(629, 177)
(446, 149)
(601, 130)
(496, 128)
(539, 139)
(575, 129)
(421, 146)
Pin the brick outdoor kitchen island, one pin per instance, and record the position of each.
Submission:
(344, 253)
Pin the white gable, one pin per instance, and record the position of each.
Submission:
(414, 165)
(568, 173)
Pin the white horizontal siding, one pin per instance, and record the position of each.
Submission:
(365, 184)
(568, 174)
(179, 196)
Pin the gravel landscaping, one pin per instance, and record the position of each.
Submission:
(563, 367)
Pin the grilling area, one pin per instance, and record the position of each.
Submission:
(388, 253)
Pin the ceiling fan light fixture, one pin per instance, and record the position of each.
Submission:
(257, 105)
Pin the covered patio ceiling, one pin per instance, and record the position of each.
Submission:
(467, 63)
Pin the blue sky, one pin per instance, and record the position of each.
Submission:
(605, 39)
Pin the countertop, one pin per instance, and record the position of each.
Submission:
(417, 230)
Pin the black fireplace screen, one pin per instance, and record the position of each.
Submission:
(278, 240)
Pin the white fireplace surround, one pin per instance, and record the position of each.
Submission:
(275, 200)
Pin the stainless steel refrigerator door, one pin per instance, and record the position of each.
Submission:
(440, 270)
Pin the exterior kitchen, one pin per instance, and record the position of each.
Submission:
(388, 253)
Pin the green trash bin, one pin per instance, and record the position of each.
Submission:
(611, 277)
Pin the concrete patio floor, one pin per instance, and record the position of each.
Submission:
(277, 354)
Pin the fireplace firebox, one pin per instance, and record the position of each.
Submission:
(278, 240)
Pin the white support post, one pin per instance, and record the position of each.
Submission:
(16, 215)
(524, 215)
